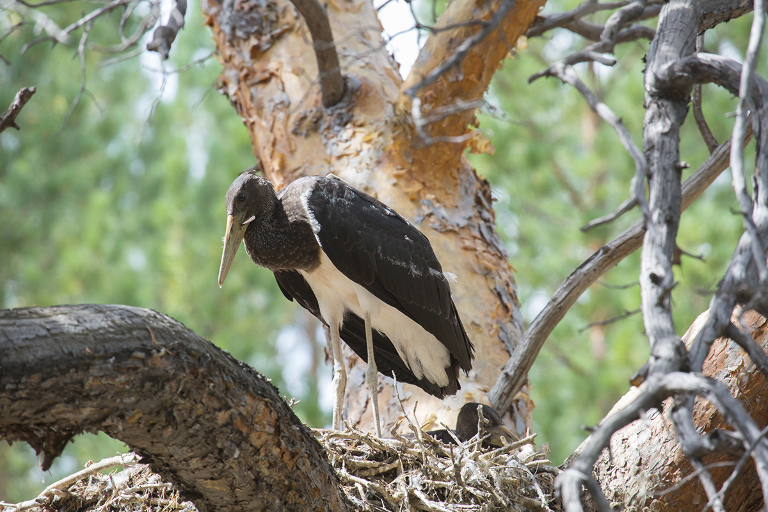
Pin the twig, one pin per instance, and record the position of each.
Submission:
(81, 90)
(611, 320)
(165, 35)
(8, 118)
(737, 157)
(126, 460)
(732, 477)
(568, 75)
(688, 478)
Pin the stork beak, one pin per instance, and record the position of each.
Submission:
(499, 436)
(232, 238)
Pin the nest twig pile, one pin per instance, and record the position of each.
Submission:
(134, 489)
(420, 473)
(398, 474)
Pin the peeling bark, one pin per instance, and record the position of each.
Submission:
(201, 419)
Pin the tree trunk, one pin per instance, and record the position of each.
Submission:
(203, 420)
(370, 140)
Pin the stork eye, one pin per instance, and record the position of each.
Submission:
(241, 196)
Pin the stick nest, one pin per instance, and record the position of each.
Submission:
(420, 473)
(397, 474)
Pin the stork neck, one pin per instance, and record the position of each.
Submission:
(282, 242)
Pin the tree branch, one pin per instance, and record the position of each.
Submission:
(200, 418)
(329, 70)
(515, 371)
(458, 64)
(165, 35)
(650, 395)
(8, 118)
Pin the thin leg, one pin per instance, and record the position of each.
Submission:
(372, 375)
(339, 376)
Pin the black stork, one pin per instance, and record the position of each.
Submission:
(361, 269)
(466, 427)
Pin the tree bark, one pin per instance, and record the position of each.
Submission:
(370, 140)
(645, 458)
(201, 419)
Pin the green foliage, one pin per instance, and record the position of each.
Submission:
(113, 208)
(556, 167)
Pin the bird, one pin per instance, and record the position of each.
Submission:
(362, 269)
(466, 427)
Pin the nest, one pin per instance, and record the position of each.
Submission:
(398, 474)
(136, 489)
(419, 472)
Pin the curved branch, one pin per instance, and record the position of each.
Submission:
(515, 372)
(656, 389)
(329, 71)
(200, 418)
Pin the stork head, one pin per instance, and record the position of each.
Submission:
(466, 425)
(249, 201)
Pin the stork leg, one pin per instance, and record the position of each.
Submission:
(372, 374)
(339, 375)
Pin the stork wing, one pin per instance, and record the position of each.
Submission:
(378, 249)
(294, 286)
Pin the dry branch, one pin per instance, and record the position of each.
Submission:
(8, 118)
(515, 372)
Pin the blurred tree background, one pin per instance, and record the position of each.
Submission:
(122, 202)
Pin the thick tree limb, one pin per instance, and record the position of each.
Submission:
(200, 418)
(458, 64)
(8, 118)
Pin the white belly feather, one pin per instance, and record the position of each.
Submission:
(424, 355)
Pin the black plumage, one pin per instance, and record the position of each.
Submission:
(318, 231)
(466, 427)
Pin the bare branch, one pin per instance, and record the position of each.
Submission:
(515, 372)
(165, 35)
(8, 118)
(329, 70)
(608, 38)
(593, 31)
(545, 23)
(651, 394)
(737, 158)
(706, 133)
